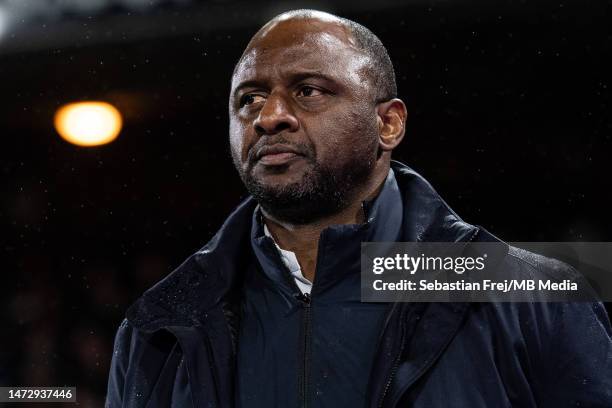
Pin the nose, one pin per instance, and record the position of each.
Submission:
(275, 116)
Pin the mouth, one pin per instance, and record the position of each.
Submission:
(276, 155)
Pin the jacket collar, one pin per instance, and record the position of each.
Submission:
(201, 282)
(339, 245)
(207, 278)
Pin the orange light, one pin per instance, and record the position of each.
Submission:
(88, 123)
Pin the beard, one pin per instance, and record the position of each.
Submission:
(325, 189)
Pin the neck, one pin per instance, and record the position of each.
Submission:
(303, 239)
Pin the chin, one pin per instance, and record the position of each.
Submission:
(280, 182)
(279, 176)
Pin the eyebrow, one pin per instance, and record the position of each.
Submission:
(293, 78)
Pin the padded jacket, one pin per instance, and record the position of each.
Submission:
(177, 345)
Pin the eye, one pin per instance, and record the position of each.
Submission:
(309, 91)
(250, 99)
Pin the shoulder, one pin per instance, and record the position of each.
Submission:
(124, 343)
(540, 266)
(124, 334)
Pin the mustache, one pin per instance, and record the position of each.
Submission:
(299, 148)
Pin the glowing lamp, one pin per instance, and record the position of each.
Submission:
(88, 123)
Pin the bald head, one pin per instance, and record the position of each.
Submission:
(299, 25)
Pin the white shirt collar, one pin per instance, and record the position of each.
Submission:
(291, 262)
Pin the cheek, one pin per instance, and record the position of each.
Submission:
(347, 135)
(363, 130)
(238, 138)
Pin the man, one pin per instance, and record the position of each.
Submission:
(268, 313)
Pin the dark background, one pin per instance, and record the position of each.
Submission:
(509, 118)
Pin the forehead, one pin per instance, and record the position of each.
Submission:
(290, 47)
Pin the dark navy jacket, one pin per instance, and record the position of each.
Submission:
(177, 347)
(317, 350)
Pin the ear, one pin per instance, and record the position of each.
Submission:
(391, 123)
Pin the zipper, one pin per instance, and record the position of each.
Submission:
(304, 373)
(398, 358)
(305, 299)
(391, 376)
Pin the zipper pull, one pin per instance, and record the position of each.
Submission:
(303, 297)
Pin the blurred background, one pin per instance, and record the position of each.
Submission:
(509, 118)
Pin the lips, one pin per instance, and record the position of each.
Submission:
(275, 155)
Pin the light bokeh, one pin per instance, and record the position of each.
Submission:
(88, 123)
